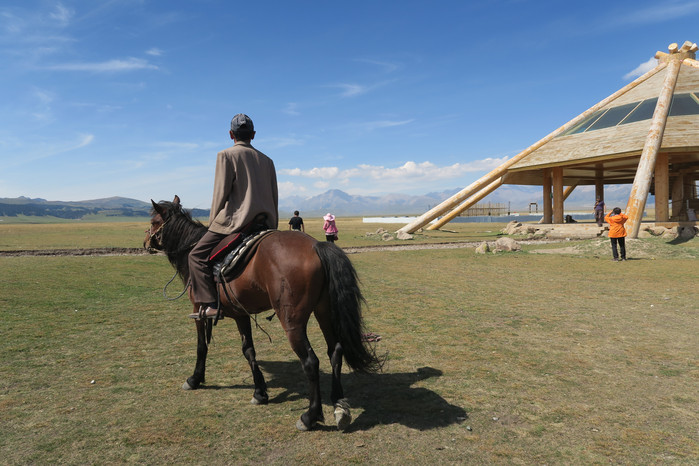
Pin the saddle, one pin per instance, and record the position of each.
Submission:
(233, 253)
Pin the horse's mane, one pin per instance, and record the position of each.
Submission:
(180, 233)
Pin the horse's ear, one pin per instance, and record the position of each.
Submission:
(157, 208)
(176, 200)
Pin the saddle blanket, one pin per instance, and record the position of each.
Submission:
(234, 262)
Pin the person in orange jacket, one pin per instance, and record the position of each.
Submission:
(617, 232)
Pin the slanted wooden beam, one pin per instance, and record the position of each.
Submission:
(646, 165)
(569, 190)
(468, 203)
(481, 183)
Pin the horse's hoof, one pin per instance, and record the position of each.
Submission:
(255, 401)
(186, 386)
(343, 417)
(301, 426)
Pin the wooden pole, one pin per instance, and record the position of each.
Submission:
(468, 203)
(646, 165)
(599, 181)
(546, 194)
(662, 188)
(476, 186)
(677, 196)
(557, 194)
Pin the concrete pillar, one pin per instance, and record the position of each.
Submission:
(548, 210)
(646, 165)
(557, 194)
(662, 188)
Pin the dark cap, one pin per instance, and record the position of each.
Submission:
(242, 122)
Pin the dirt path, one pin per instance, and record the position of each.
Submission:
(141, 251)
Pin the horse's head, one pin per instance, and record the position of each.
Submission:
(162, 212)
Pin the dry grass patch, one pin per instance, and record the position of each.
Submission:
(499, 358)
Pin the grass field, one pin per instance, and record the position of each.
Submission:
(515, 358)
(129, 234)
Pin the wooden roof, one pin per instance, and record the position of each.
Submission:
(616, 149)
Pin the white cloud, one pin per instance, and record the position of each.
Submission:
(320, 172)
(287, 189)
(642, 69)
(178, 145)
(290, 109)
(85, 140)
(662, 11)
(154, 51)
(281, 142)
(115, 65)
(351, 90)
(388, 67)
(409, 171)
(61, 15)
(388, 123)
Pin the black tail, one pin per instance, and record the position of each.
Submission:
(346, 307)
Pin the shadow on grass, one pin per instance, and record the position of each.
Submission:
(679, 240)
(386, 398)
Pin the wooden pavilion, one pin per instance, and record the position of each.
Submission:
(645, 134)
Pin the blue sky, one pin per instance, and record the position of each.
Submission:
(134, 98)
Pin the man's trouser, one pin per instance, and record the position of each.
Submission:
(200, 273)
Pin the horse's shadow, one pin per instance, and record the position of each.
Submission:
(385, 398)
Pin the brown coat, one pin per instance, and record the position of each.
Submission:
(245, 185)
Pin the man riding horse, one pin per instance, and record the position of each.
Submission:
(245, 199)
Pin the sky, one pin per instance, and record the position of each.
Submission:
(134, 98)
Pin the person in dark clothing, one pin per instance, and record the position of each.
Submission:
(599, 211)
(296, 222)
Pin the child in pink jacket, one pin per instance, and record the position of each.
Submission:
(330, 228)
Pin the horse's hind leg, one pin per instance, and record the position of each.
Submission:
(244, 327)
(343, 418)
(193, 382)
(309, 361)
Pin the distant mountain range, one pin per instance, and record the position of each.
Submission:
(110, 207)
(340, 203)
(335, 201)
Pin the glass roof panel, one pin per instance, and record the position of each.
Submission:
(642, 112)
(583, 125)
(612, 117)
(684, 104)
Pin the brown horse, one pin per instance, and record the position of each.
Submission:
(293, 274)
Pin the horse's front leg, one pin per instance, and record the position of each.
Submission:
(244, 327)
(193, 382)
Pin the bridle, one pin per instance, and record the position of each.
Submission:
(157, 235)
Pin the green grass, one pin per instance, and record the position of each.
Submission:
(514, 358)
(130, 234)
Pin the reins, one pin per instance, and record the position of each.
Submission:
(186, 287)
(226, 287)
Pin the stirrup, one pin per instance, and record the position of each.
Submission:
(204, 313)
